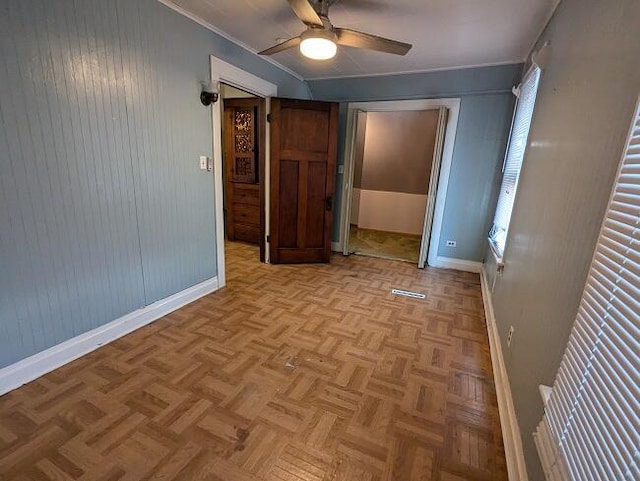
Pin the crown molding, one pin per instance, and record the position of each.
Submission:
(409, 72)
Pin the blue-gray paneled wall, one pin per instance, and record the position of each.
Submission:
(587, 95)
(476, 173)
(485, 117)
(102, 206)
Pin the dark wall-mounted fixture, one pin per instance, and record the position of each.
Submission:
(209, 94)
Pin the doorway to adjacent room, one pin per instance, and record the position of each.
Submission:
(243, 159)
(393, 161)
(396, 171)
(230, 75)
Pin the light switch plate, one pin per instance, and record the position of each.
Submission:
(203, 162)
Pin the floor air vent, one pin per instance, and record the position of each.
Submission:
(400, 292)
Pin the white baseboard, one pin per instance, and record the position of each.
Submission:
(336, 247)
(30, 368)
(514, 454)
(456, 264)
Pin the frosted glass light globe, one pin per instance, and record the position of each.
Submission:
(318, 48)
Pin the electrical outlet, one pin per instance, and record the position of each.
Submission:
(510, 336)
(451, 243)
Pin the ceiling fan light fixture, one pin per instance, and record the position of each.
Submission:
(318, 44)
(321, 39)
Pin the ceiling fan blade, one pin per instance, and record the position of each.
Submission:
(292, 42)
(352, 38)
(305, 12)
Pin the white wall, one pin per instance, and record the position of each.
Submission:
(393, 166)
(230, 92)
(390, 211)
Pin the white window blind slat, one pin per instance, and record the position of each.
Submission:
(589, 312)
(626, 208)
(610, 426)
(617, 363)
(622, 362)
(594, 409)
(577, 461)
(595, 294)
(623, 421)
(569, 381)
(580, 447)
(631, 172)
(595, 435)
(620, 312)
(632, 257)
(610, 252)
(593, 443)
(626, 337)
(625, 197)
(629, 190)
(606, 280)
(620, 224)
(611, 261)
(514, 157)
(614, 400)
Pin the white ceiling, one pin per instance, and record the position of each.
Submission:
(444, 33)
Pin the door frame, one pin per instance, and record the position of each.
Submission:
(257, 103)
(222, 71)
(453, 105)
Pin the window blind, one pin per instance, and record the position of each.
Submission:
(594, 409)
(514, 156)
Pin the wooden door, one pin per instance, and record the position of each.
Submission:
(303, 160)
(243, 166)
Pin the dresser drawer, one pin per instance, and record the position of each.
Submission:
(246, 214)
(247, 233)
(246, 194)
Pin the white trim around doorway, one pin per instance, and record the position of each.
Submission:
(222, 71)
(453, 105)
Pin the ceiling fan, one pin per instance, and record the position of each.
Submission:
(319, 41)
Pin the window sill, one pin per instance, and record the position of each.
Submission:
(497, 255)
(545, 393)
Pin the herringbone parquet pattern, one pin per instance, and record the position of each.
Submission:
(296, 373)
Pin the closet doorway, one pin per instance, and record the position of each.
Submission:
(397, 167)
(393, 162)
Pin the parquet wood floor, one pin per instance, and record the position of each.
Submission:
(296, 373)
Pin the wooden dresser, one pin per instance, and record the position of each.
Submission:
(242, 176)
(244, 213)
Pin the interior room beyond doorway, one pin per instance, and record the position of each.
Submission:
(393, 157)
(243, 152)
